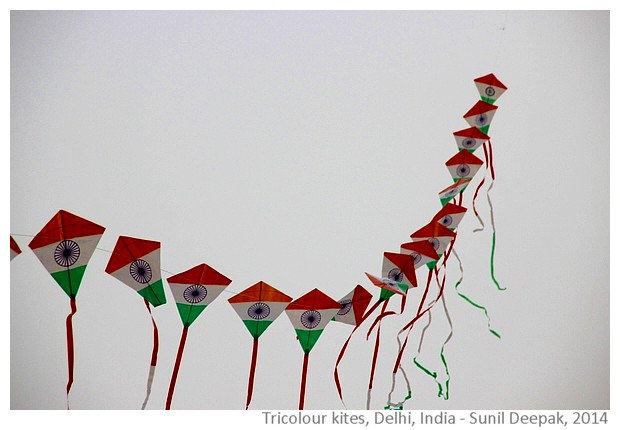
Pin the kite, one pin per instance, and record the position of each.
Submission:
(450, 215)
(490, 88)
(470, 138)
(136, 263)
(450, 192)
(258, 306)
(353, 306)
(309, 315)
(398, 276)
(480, 115)
(15, 249)
(64, 246)
(192, 290)
(463, 165)
(423, 252)
(435, 233)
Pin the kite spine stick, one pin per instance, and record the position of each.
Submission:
(149, 381)
(304, 374)
(252, 372)
(177, 364)
(70, 349)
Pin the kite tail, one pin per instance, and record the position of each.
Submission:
(384, 314)
(445, 393)
(473, 204)
(70, 349)
(471, 302)
(149, 381)
(375, 355)
(177, 364)
(401, 347)
(418, 364)
(428, 309)
(398, 405)
(252, 371)
(304, 374)
(346, 344)
(441, 354)
(490, 162)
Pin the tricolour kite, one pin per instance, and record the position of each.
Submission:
(193, 290)
(15, 249)
(309, 315)
(258, 306)
(490, 88)
(64, 246)
(353, 305)
(136, 263)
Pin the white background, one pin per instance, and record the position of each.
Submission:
(295, 148)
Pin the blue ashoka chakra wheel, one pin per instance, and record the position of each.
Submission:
(66, 253)
(489, 91)
(311, 319)
(435, 242)
(416, 257)
(345, 306)
(141, 271)
(259, 310)
(463, 170)
(446, 220)
(452, 192)
(195, 293)
(482, 119)
(395, 275)
(468, 143)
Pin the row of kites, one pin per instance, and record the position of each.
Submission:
(66, 243)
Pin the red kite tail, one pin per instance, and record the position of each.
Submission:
(304, 374)
(70, 350)
(177, 364)
(375, 354)
(346, 344)
(252, 371)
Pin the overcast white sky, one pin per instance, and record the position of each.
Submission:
(295, 147)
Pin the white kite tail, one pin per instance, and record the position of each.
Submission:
(149, 382)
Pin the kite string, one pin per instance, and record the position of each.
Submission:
(177, 364)
(70, 349)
